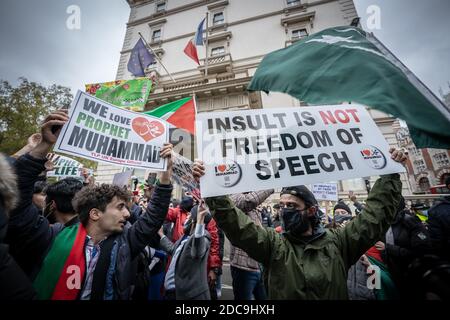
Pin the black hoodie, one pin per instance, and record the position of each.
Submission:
(14, 283)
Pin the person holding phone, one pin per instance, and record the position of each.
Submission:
(186, 277)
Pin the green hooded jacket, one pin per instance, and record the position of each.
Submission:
(317, 269)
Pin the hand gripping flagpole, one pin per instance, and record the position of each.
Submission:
(156, 56)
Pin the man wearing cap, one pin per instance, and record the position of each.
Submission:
(306, 261)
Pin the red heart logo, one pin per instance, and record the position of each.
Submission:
(222, 167)
(146, 129)
(366, 152)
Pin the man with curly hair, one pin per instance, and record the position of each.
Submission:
(93, 259)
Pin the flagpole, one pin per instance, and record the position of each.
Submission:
(156, 57)
(206, 47)
(195, 101)
(195, 110)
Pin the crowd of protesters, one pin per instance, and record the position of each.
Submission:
(80, 240)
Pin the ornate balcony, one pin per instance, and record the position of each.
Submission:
(217, 64)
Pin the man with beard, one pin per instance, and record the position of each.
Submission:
(306, 261)
(95, 258)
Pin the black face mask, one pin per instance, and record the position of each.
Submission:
(295, 221)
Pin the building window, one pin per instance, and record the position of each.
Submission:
(424, 184)
(160, 7)
(353, 184)
(299, 33)
(292, 3)
(218, 51)
(218, 18)
(156, 36)
(441, 159)
(420, 165)
(414, 151)
(444, 177)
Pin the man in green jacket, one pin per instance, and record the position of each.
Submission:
(307, 262)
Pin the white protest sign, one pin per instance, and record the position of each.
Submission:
(183, 175)
(122, 178)
(262, 149)
(325, 191)
(102, 132)
(64, 166)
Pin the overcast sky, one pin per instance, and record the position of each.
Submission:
(35, 42)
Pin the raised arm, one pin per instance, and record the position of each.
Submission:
(32, 143)
(29, 233)
(201, 242)
(242, 231)
(165, 243)
(249, 201)
(372, 224)
(141, 232)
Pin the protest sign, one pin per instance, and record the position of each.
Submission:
(325, 191)
(64, 166)
(268, 148)
(99, 131)
(183, 175)
(128, 94)
(92, 88)
(122, 178)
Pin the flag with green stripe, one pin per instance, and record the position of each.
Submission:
(344, 64)
(180, 113)
(66, 258)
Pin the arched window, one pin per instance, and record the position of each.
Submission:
(424, 184)
(444, 177)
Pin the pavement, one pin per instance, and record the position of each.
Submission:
(227, 289)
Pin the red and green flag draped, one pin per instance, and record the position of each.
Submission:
(65, 260)
(180, 114)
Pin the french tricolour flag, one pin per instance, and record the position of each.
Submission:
(191, 49)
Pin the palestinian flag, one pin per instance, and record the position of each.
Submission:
(180, 113)
(62, 272)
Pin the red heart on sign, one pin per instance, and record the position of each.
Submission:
(222, 167)
(366, 152)
(146, 129)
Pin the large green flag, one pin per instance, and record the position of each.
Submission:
(128, 94)
(344, 64)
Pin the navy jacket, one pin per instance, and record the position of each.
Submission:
(439, 227)
(30, 235)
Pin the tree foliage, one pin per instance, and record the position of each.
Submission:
(22, 109)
